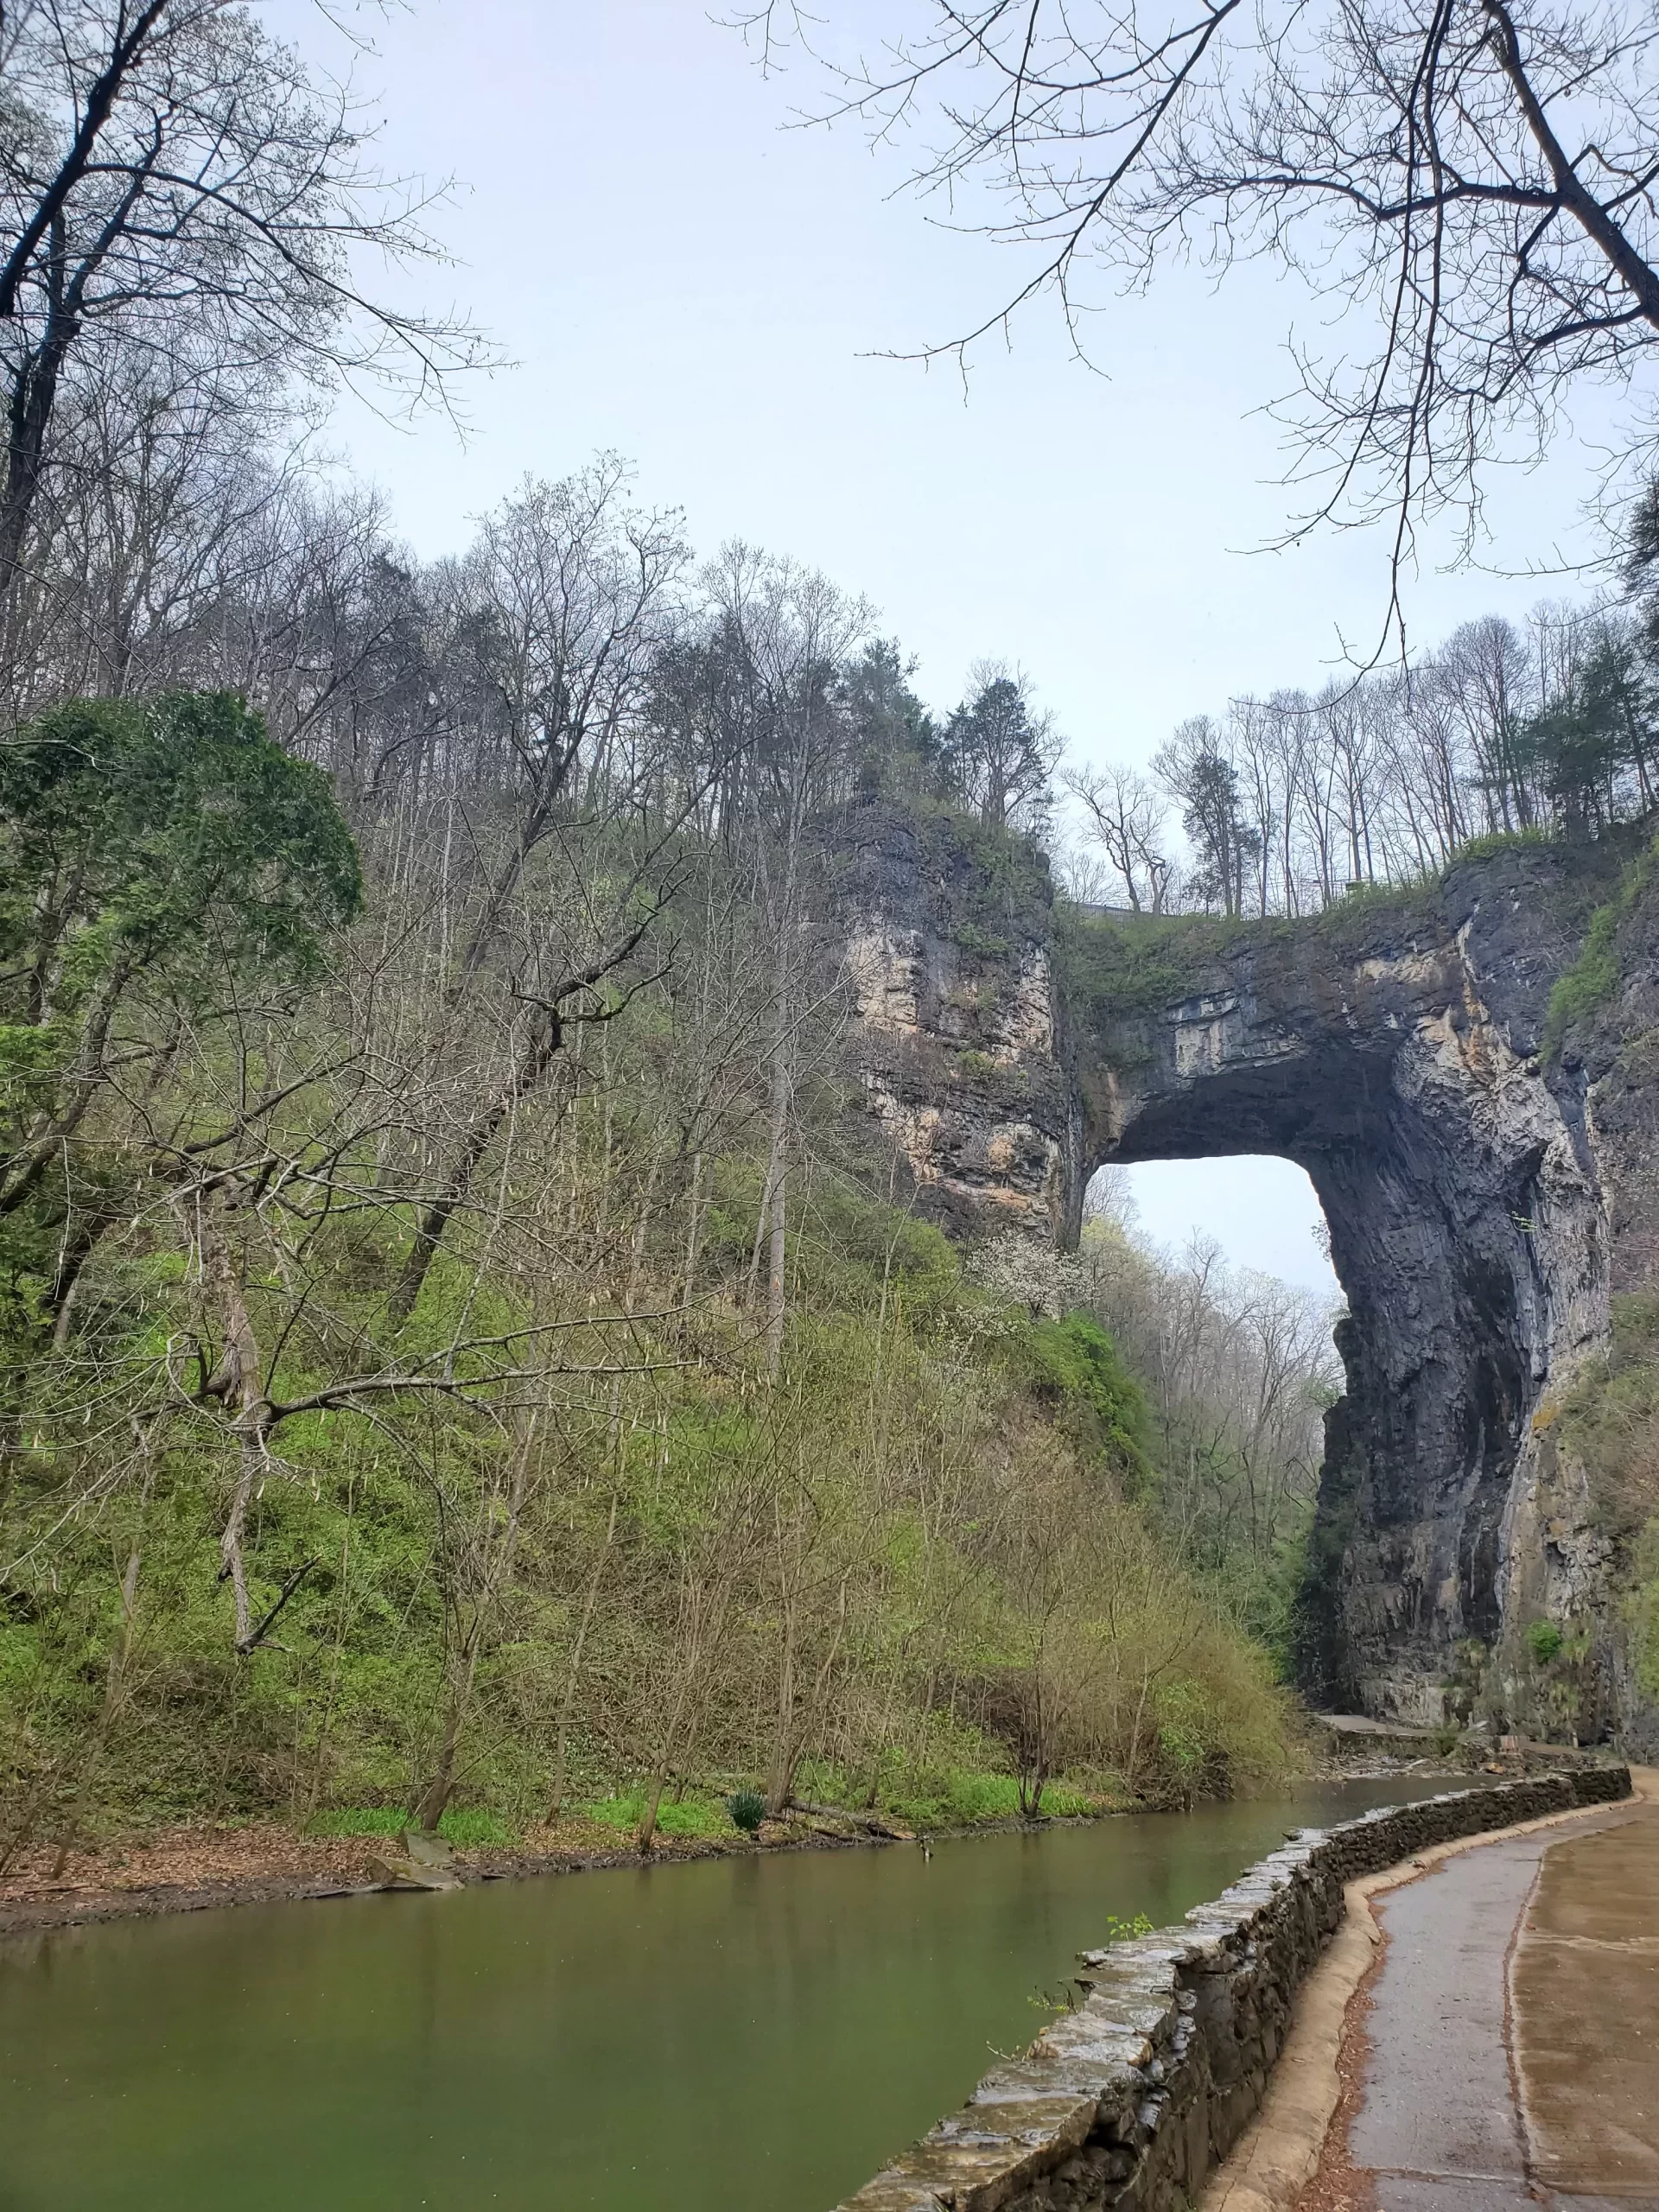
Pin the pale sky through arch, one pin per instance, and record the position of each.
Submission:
(677, 277)
(1261, 1211)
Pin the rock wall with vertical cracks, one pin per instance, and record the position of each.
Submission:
(1391, 1047)
(950, 950)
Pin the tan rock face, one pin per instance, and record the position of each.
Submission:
(956, 1044)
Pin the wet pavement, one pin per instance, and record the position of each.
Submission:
(1513, 2027)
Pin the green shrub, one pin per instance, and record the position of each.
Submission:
(746, 1809)
(988, 946)
(1543, 1640)
(1119, 1931)
(1076, 1365)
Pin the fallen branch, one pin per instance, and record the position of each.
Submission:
(255, 1637)
(872, 1823)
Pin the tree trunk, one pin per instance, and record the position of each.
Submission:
(34, 394)
(115, 1675)
(428, 1236)
(783, 1765)
(20, 1172)
(343, 1587)
(434, 1798)
(694, 1233)
(237, 1383)
(774, 1207)
(688, 1654)
(646, 1835)
(555, 1793)
(496, 1565)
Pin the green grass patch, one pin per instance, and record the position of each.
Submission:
(1114, 967)
(692, 1815)
(1488, 846)
(1594, 977)
(966, 1800)
(1641, 1610)
(1375, 916)
(463, 1825)
(1111, 968)
(358, 1820)
(474, 1824)
(1588, 983)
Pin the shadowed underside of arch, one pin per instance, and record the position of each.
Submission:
(1391, 1049)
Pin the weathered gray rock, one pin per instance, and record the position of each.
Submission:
(417, 1861)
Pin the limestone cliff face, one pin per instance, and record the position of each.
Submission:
(1393, 1051)
(1565, 1558)
(949, 953)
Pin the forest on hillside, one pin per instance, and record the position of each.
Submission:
(462, 1354)
(463, 1349)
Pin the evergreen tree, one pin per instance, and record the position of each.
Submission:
(895, 738)
(997, 754)
(1224, 846)
(1588, 753)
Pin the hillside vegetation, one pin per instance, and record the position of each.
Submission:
(463, 1349)
(460, 1354)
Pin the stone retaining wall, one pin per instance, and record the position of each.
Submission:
(1128, 2101)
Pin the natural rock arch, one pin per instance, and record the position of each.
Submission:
(1391, 1048)
(1398, 1066)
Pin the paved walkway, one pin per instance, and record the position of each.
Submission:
(1514, 2027)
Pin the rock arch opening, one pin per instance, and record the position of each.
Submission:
(1261, 1211)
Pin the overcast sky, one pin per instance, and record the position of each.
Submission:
(674, 274)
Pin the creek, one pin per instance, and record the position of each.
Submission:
(726, 2036)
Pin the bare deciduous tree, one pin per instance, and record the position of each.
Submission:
(1125, 818)
(1474, 178)
(179, 197)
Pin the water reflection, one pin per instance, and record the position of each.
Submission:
(733, 2034)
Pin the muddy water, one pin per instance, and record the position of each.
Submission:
(719, 2037)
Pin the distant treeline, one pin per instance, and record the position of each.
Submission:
(1286, 802)
(166, 552)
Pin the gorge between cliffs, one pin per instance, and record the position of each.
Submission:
(1483, 1165)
